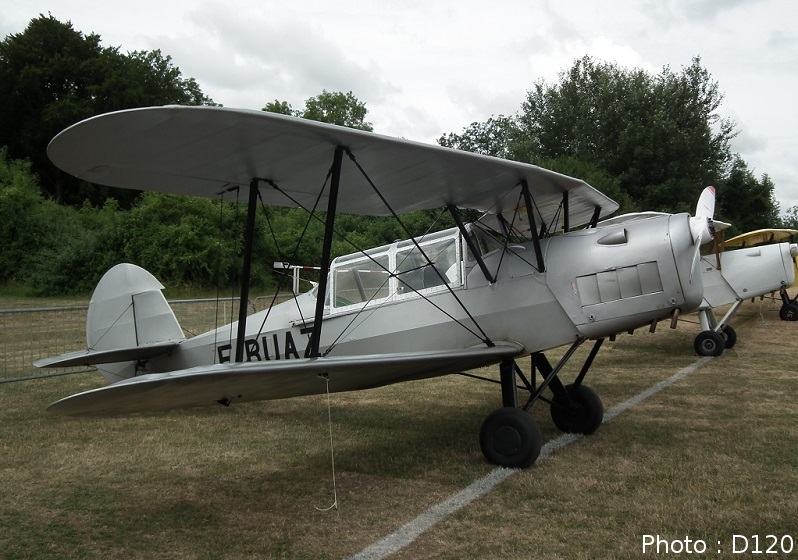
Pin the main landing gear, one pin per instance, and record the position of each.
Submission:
(715, 336)
(789, 307)
(510, 437)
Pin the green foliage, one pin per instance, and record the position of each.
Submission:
(342, 109)
(52, 76)
(790, 219)
(78, 246)
(491, 138)
(19, 227)
(281, 107)
(595, 177)
(659, 135)
(191, 241)
(746, 202)
(50, 248)
(651, 142)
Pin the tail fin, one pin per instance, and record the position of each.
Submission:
(128, 310)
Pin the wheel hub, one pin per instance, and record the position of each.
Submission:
(507, 440)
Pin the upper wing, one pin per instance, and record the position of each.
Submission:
(760, 236)
(251, 381)
(202, 151)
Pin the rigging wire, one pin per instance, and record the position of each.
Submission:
(311, 212)
(485, 338)
(334, 505)
(362, 251)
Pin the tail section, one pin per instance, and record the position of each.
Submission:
(128, 321)
(128, 310)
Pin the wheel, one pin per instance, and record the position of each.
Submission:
(709, 343)
(582, 415)
(789, 312)
(509, 437)
(729, 336)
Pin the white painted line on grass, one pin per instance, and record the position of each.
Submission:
(410, 531)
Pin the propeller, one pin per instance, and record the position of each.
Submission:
(702, 224)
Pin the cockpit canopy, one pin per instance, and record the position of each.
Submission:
(432, 263)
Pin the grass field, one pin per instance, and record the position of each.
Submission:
(714, 455)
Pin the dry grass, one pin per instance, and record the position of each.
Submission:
(711, 456)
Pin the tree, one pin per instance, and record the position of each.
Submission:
(790, 219)
(19, 227)
(491, 138)
(290, 225)
(659, 135)
(52, 76)
(342, 109)
(281, 107)
(746, 202)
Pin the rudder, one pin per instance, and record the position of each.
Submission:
(128, 309)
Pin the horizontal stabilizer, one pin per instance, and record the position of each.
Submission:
(93, 357)
(276, 379)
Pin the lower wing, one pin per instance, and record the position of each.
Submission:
(278, 379)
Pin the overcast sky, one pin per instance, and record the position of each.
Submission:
(428, 68)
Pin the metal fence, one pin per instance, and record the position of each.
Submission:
(27, 335)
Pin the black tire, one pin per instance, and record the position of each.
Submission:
(729, 336)
(582, 415)
(709, 343)
(789, 312)
(510, 438)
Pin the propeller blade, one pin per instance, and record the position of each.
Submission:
(706, 203)
(701, 223)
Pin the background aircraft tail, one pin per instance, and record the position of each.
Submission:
(128, 310)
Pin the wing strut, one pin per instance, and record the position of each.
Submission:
(530, 212)
(595, 218)
(249, 236)
(329, 223)
(471, 245)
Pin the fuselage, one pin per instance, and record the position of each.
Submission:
(747, 273)
(597, 282)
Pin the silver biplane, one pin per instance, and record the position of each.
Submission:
(731, 277)
(444, 303)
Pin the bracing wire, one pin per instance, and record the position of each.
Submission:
(483, 335)
(296, 246)
(376, 263)
(332, 448)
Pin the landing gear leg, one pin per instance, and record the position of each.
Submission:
(510, 437)
(789, 307)
(716, 335)
(576, 408)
